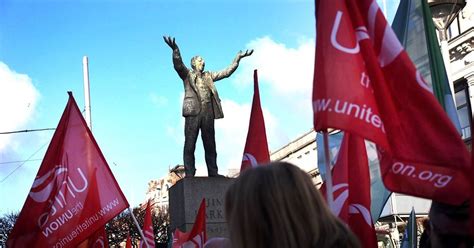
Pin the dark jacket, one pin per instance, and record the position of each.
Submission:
(192, 100)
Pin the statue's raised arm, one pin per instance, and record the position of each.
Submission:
(232, 67)
(179, 66)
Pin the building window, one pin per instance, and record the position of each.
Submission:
(464, 109)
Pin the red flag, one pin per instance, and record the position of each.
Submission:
(256, 146)
(98, 239)
(148, 228)
(365, 84)
(74, 193)
(179, 238)
(128, 244)
(197, 236)
(351, 179)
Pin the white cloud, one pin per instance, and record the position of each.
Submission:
(18, 98)
(286, 82)
(287, 70)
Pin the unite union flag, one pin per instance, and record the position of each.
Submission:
(197, 237)
(351, 190)
(74, 193)
(365, 84)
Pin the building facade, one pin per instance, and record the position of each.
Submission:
(461, 67)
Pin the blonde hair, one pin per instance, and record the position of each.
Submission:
(277, 205)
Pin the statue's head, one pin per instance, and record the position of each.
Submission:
(197, 63)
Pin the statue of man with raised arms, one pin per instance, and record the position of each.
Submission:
(201, 105)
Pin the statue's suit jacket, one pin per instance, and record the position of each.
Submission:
(192, 99)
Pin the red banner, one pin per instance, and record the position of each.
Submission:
(256, 146)
(197, 237)
(148, 229)
(365, 84)
(74, 193)
(351, 189)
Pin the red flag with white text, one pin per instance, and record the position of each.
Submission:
(365, 84)
(256, 146)
(352, 161)
(340, 180)
(197, 237)
(74, 193)
(148, 228)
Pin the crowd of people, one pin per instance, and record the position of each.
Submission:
(277, 205)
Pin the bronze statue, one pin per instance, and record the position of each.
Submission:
(201, 105)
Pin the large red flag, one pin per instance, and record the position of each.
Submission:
(256, 146)
(351, 179)
(197, 237)
(148, 229)
(74, 193)
(365, 84)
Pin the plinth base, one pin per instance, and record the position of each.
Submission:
(185, 197)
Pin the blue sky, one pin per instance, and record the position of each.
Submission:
(135, 93)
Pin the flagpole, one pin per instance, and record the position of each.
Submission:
(87, 96)
(138, 227)
(329, 186)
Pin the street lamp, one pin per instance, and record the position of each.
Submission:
(443, 13)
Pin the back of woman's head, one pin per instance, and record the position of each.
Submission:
(277, 205)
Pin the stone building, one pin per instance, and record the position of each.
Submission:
(461, 67)
(157, 191)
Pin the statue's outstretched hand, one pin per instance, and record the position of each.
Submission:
(247, 53)
(171, 42)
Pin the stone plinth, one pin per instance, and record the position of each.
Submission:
(185, 197)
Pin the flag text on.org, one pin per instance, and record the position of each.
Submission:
(363, 112)
(87, 223)
(439, 180)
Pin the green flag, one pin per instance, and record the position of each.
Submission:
(413, 18)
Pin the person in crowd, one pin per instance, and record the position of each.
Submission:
(449, 226)
(276, 205)
(425, 236)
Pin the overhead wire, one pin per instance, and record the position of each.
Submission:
(20, 161)
(18, 167)
(28, 130)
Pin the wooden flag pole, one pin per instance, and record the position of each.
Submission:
(327, 156)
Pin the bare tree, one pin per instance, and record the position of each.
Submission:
(7, 222)
(118, 228)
